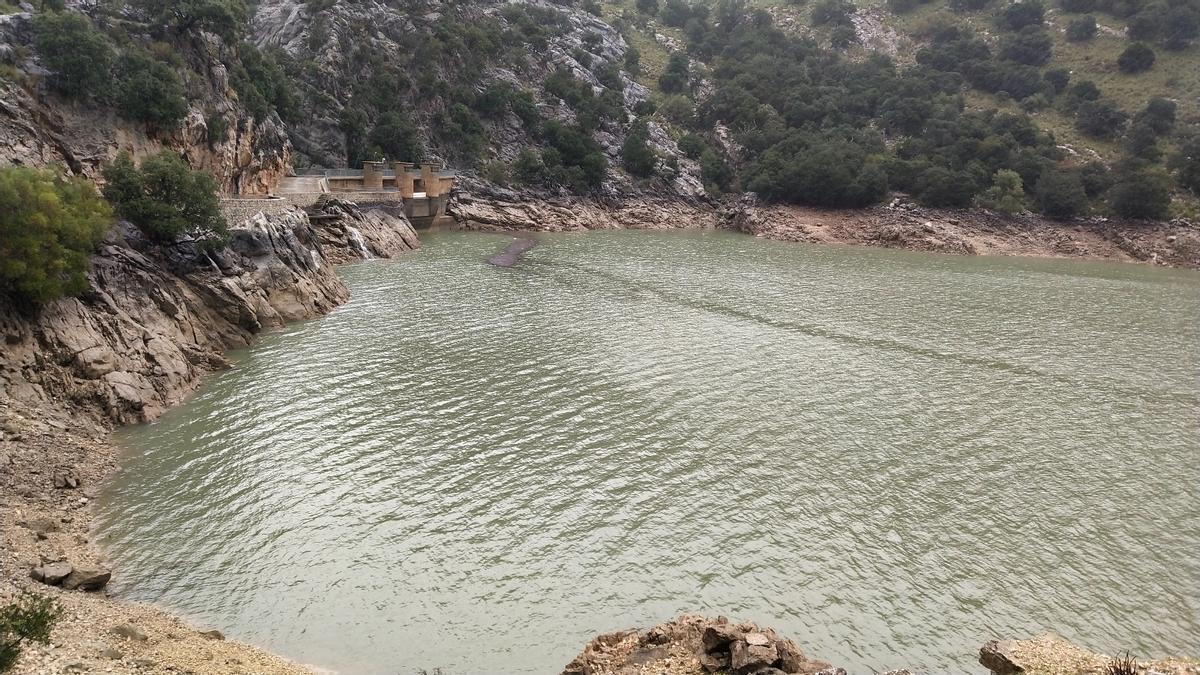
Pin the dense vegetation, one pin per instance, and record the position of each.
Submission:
(819, 127)
(48, 228)
(165, 199)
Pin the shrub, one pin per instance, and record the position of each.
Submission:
(78, 56)
(832, 13)
(637, 156)
(1059, 193)
(1058, 79)
(1136, 58)
(692, 145)
(1159, 114)
(1006, 194)
(1100, 119)
(1186, 162)
(1096, 178)
(48, 227)
(527, 168)
(817, 169)
(679, 110)
(1181, 27)
(1017, 15)
(29, 619)
(149, 91)
(1030, 46)
(939, 186)
(633, 61)
(1141, 192)
(676, 76)
(715, 171)
(262, 85)
(1082, 29)
(165, 199)
(647, 6)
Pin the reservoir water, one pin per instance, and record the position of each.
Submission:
(889, 457)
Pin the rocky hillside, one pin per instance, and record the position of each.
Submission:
(135, 84)
(473, 84)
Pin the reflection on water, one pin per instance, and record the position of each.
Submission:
(890, 457)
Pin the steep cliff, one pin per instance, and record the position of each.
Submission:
(158, 318)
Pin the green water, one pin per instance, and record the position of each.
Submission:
(890, 457)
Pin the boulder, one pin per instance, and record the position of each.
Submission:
(998, 656)
(212, 634)
(131, 632)
(66, 479)
(87, 579)
(747, 658)
(42, 524)
(712, 662)
(52, 573)
(112, 653)
(718, 636)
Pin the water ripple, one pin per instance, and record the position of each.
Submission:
(891, 457)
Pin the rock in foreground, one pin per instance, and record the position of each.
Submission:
(692, 643)
(1049, 654)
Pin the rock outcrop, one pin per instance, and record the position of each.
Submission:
(158, 318)
(349, 233)
(1047, 654)
(695, 644)
(477, 205)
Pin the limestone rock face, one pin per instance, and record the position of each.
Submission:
(157, 318)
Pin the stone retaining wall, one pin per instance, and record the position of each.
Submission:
(240, 209)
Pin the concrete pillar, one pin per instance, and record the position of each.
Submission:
(372, 175)
(404, 179)
(429, 176)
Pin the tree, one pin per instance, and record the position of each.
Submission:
(149, 91)
(1082, 29)
(1006, 193)
(1136, 58)
(48, 228)
(1181, 28)
(676, 76)
(352, 122)
(940, 186)
(832, 13)
(647, 6)
(29, 619)
(1057, 78)
(226, 18)
(1159, 114)
(78, 56)
(636, 154)
(1186, 162)
(165, 199)
(1141, 142)
(396, 137)
(633, 61)
(1017, 15)
(1100, 119)
(1141, 192)
(1077, 6)
(1059, 193)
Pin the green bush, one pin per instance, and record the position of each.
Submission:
(1031, 46)
(396, 137)
(636, 154)
(1186, 163)
(165, 198)
(1059, 193)
(1018, 15)
(78, 56)
(29, 619)
(1101, 119)
(1006, 193)
(149, 91)
(527, 168)
(1082, 29)
(48, 228)
(1136, 58)
(676, 77)
(226, 18)
(939, 186)
(1141, 192)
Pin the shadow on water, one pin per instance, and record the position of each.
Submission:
(511, 255)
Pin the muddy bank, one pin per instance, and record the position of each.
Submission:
(899, 225)
(154, 322)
